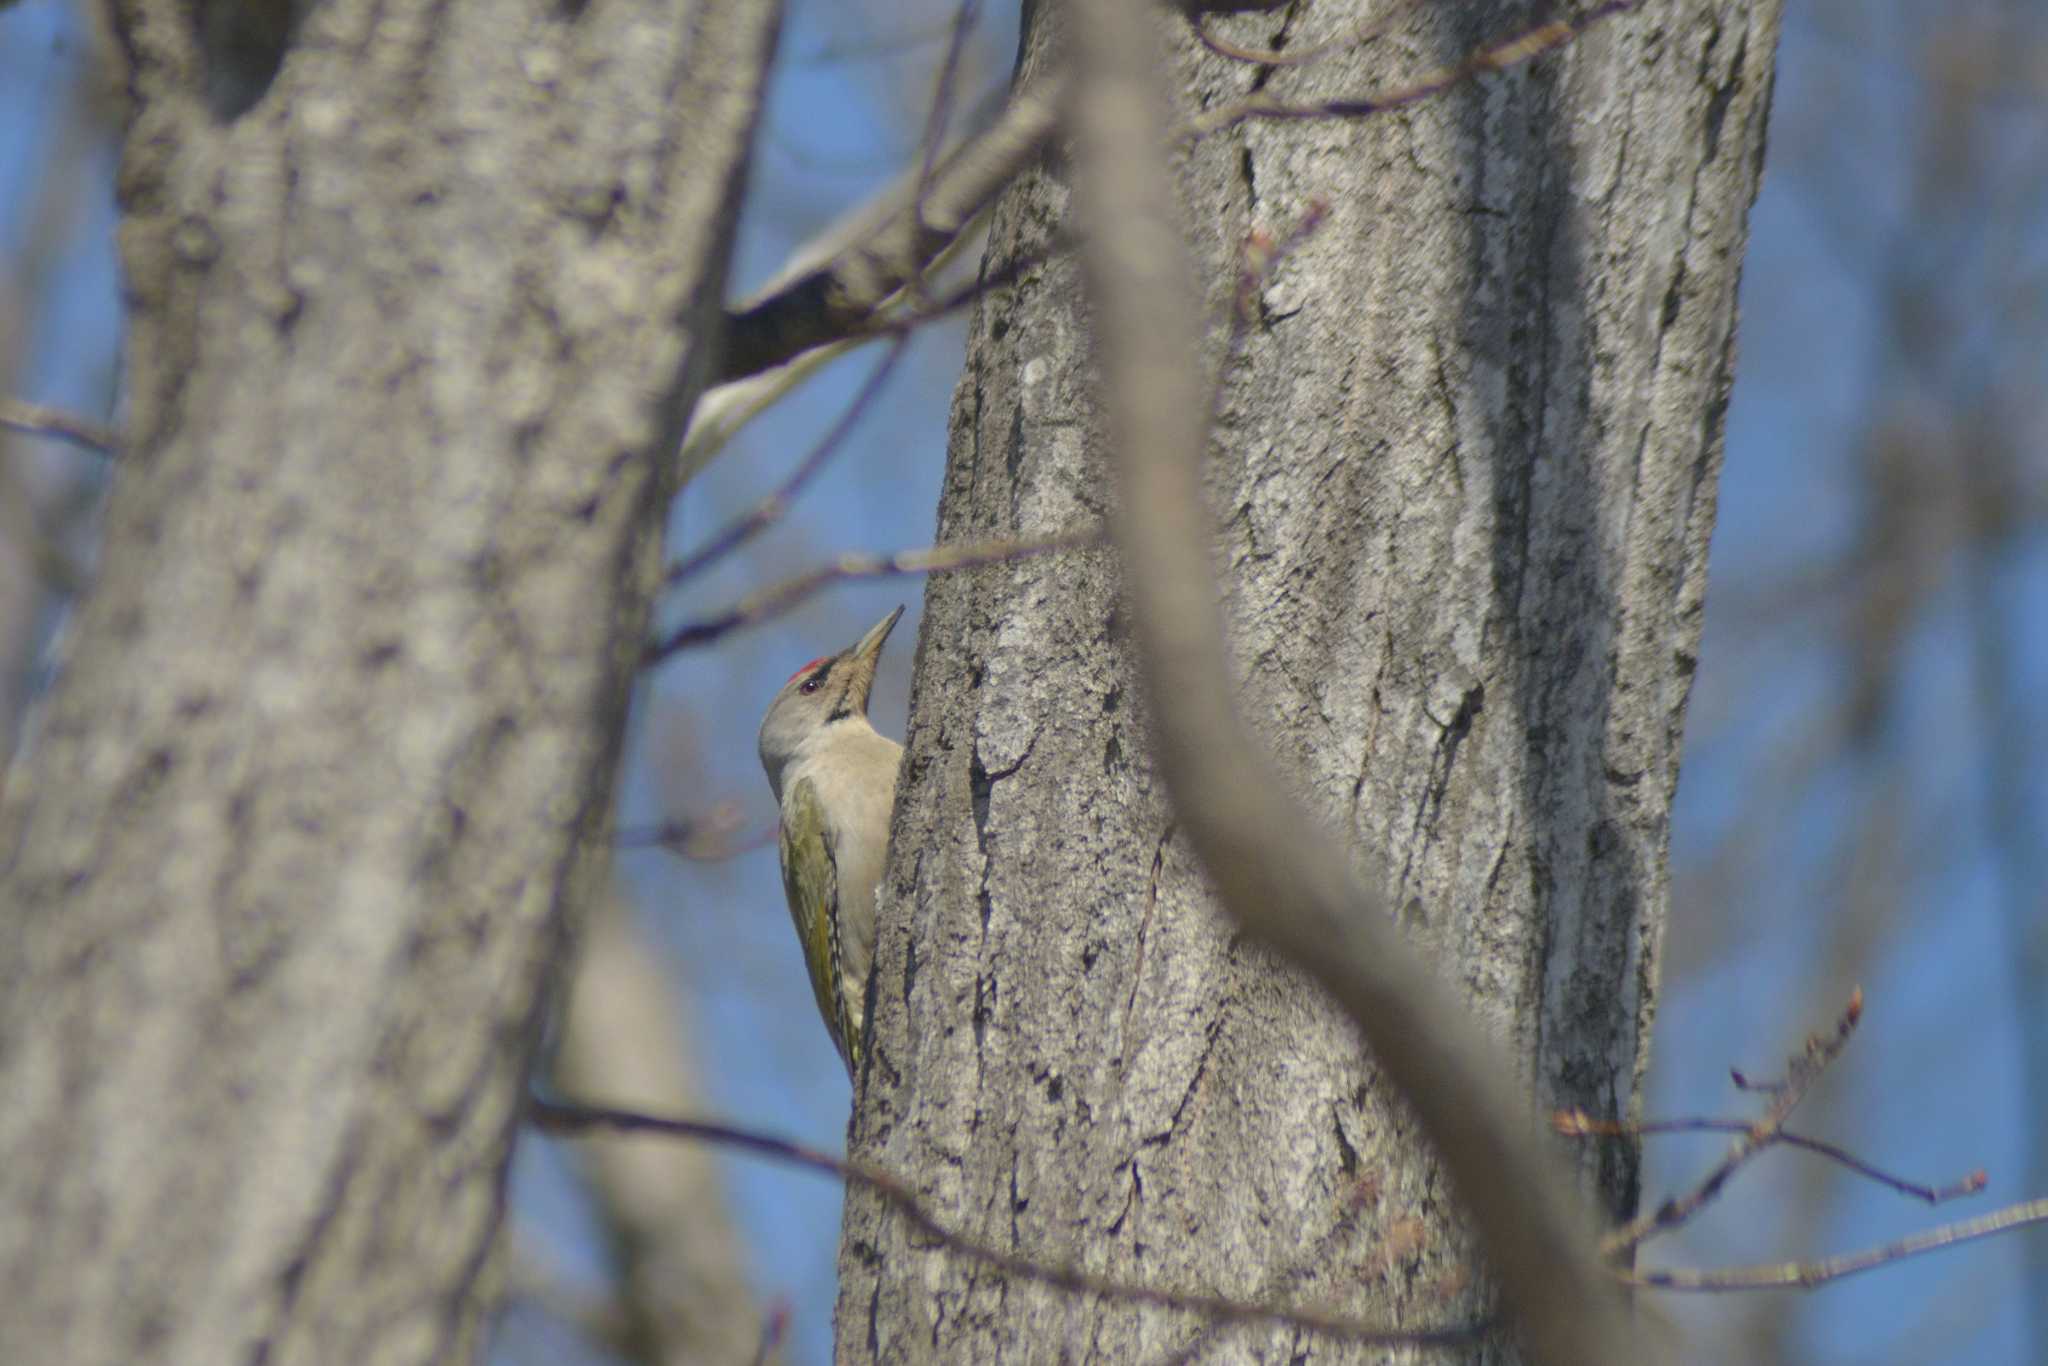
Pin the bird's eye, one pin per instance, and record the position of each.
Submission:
(810, 686)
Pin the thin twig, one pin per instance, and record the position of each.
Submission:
(721, 413)
(1579, 1124)
(565, 1118)
(965, 15)
(36, 419)
(1807, 1275)
(773, 601)
(775, 505)
(894, 242)
(1372, 26)
(1800, 1073)
(1512, 51)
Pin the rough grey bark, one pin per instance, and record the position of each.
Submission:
(287, 861)
(1271, 866)
(1464, 476)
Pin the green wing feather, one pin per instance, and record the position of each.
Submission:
(810, 879)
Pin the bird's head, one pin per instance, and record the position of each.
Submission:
(824, 693)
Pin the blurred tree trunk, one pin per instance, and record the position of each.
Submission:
(287, 865)
(683, 1294)
(1464, 476)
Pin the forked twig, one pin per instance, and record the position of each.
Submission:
(1753, 1138)
(1800, 1073)
(1579, 1124)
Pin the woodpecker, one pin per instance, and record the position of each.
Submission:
(834, 777)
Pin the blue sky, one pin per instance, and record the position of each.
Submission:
(1935, 1085)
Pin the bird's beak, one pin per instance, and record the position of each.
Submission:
(867, 655)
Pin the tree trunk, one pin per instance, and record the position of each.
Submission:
(1464, 474)
(287, 862)
(683, 1294)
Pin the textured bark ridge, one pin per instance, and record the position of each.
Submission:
(287, 863)
(1464, 481)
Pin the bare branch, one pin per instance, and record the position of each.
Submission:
(775, 506)
(965, 15)
(898, 322)
(1579, 1124)
(567, 1118)
(905, 231)
(1275, 872)
(34, 419)
(723, 411)
(1800, 1074)
(773, 601)
(1766, 1131)
(1807, 1275)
